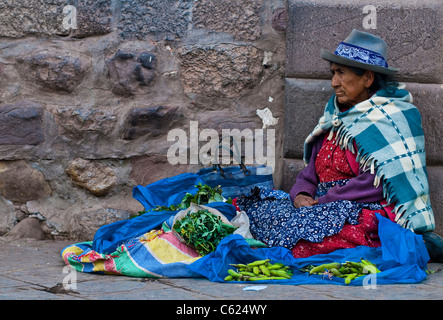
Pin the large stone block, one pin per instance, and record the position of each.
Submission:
(81, 124)
(20, 182)
(21, 18)
(55, 71)
(239, 18)
(93, 176)
(220, 120)
(413, 31)
(21, 123)
(152, 121)
(85, 224)
(79, 18)
(29, 228)
(162, 19)
(151, 168)
(131, 72)
(93, 17)
(305, 102)
(221, 70)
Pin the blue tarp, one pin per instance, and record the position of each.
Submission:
(402, 258)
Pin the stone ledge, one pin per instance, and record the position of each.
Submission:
(291, 168)
(21, 123)
(428, 98)
(305, 101)
(241, 19)
(155, 121)
(54, 70)
(21, 18)
(414, 33)
(50, 18)
(223, 70)
(140, 19)
(435, 174)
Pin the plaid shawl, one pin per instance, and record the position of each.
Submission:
(390, 142)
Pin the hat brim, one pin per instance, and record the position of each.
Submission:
(351, 63)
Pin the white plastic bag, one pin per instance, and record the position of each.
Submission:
(241, 221)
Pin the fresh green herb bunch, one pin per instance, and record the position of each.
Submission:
(203, 230)
(204, 195)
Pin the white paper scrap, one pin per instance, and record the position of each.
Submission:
(254, 288)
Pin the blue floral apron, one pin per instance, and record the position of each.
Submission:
(275, 221)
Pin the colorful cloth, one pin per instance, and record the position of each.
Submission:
(390, 142)
(155, 254)
(275, 221)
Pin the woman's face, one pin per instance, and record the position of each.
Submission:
(350, 88)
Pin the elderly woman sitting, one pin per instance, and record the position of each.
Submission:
(365, 156)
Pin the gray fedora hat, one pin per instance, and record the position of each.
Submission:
(362, 50)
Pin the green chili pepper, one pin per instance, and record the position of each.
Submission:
(350, 277)
(265, 270)
(274, 266)
(238, 265)
(280, 273)
(323, 267)
(257, 263)
(234, 274)
(265, 278)
(256, 270)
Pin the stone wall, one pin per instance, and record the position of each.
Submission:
(414, 33)
(89, 90)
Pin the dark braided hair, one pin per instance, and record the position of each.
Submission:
(381, 81)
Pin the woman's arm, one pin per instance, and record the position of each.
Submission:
(360, 189)
(307, 180)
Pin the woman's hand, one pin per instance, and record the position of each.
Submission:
(302, 200)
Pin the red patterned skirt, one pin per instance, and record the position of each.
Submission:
(363, 234)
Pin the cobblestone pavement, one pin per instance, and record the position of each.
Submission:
(34, 270)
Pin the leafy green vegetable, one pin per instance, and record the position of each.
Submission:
(204, 195)
(203, 230)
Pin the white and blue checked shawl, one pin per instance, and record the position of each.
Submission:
(390, 142)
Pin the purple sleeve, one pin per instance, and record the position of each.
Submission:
(360, 189)
(307, 179)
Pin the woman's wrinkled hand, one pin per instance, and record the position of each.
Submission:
(302, 200)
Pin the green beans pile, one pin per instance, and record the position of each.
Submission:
(259, 270)
(348, 270)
